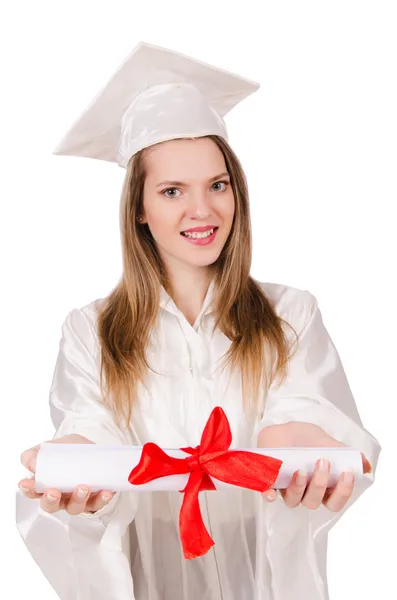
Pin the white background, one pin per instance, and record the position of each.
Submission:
(318, 143)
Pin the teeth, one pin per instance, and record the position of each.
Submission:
(198, 235)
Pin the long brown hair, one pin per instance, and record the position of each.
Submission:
(259, 344)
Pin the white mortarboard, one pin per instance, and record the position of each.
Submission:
(154, 96)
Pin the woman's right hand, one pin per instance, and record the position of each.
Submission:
(81, 500)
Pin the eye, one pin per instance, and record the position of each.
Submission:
(220, 183)
(165, 192)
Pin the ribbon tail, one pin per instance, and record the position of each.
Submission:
(195, 538)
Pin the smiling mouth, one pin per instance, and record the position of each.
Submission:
(199, 235)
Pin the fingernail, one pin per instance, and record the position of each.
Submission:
(348, 476)
(24, 489)
(106, 498)
(81, 493)
(270, 495)
(323, 464)
(52, 498)
(301, 477)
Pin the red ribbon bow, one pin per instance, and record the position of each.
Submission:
(211, 458)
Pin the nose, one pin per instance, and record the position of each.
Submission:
(200, 204)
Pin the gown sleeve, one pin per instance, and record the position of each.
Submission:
(316, 390)
(80, 555)
(75, 390)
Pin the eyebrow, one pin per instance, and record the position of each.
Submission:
(181, 183)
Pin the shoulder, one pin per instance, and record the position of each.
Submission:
(81, 324)
(87, 312)
(294, 305)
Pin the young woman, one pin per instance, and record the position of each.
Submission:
(187, 329)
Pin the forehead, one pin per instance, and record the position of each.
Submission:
(184, 159)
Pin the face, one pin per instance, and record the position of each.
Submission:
(187, 187)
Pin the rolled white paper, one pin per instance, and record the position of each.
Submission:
(106, 467)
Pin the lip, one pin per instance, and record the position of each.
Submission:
(201, 241)
(199, 229)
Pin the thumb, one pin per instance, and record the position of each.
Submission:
(28, 458)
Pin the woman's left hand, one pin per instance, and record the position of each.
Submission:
(317, 492)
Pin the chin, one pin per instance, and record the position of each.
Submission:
(203, 262)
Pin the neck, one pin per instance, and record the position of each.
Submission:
(188, 289)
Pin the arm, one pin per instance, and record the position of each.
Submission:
(75, 397)
(68, 548)
(317, 391)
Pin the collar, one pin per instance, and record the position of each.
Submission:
(167, 303)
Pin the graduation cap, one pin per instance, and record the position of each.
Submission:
(154, 96)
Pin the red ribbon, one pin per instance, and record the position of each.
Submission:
(212, 458)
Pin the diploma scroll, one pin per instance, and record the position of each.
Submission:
(106, 467)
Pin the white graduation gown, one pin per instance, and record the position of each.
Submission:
(131, 548)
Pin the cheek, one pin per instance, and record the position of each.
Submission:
(162, 223)
(226, 206)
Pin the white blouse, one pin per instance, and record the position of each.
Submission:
(131, 548)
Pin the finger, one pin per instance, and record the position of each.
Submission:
(317, 487)
(270, 495)
(78, 500)
(367, 467)
(51, 500)
(338, 497)
(28, 458)
(99, 500)
(292, 495)
(328, 493)
(27, 487)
